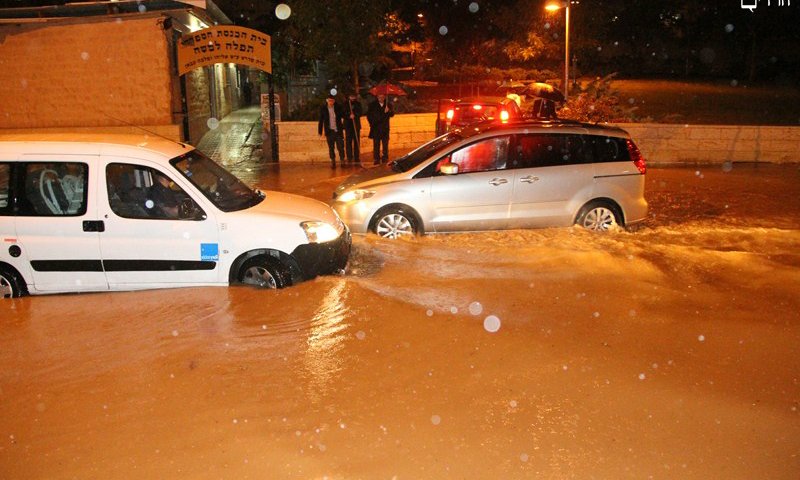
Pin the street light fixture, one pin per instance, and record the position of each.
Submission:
(552, 7)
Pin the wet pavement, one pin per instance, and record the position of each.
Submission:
(239, 144)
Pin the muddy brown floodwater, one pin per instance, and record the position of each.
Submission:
(668, 352)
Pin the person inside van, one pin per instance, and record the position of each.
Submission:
(164, 198)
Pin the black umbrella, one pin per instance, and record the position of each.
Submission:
(544, 90)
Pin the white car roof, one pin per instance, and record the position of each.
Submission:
(141, 146)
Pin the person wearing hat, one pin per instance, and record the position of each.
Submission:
(352, 129)
(331, 120)
(378, 114)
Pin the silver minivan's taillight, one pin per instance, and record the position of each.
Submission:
(637, 157)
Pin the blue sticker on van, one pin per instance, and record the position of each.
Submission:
(209, 252)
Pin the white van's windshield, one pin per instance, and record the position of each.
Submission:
(225, 191)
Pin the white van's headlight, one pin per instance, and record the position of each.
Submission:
(354, 195)
(320, 232)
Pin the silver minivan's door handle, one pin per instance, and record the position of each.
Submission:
(529, 179)
(498, 181)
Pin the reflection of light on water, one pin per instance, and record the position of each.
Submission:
(322, 360)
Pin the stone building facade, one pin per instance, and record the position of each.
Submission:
(104, 68)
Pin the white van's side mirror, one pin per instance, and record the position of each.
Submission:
(448, 168)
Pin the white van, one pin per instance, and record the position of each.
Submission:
(91, 212)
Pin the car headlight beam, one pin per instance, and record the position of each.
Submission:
(355, 195)
(320, 232)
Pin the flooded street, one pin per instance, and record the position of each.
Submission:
(669, 352)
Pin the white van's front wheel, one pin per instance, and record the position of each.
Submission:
(263, 273)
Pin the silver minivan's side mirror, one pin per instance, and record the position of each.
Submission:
(448, 168)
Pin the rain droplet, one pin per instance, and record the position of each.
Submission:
(212, 123)
(475, 308)
(513, 403)
(442, 30)
(524, 457)
(85, 55)
(142, 9)
(453, 310)
(734, 83)
(729, 28)
(642, 376)
(361, 335)
(596, 314)
(436, 419)
(701, 338)
(429, 313)
(334, 91)
(491, 324)
(474, 7)
(727, 166)
(174, 333)
(283, 11)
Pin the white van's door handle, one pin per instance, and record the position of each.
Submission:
(529, 179)
(94, 226)
(498, 181)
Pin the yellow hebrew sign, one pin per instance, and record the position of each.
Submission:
(224, 44)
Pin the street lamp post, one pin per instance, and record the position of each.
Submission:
(552, 7)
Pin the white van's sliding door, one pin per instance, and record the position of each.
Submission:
(57, 227)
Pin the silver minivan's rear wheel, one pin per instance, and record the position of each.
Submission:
(600, 217)
(395, 223)
(11, 285)
(263, 273)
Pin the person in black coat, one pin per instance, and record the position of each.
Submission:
(331, 122)
(378, 114)
(352, 128)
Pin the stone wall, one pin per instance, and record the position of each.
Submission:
(198, 102)
(660, 143)
(299, 141)
(85, 73)
(664, 144)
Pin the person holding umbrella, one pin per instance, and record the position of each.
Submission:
(352, 129)
(378, 114)
(331, 120)
(546, 97)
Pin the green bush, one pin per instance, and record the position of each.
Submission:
(597, 102)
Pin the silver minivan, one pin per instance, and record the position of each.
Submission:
(502, 176)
